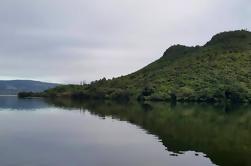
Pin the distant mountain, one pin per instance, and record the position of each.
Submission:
(13, 87)
(218, 71)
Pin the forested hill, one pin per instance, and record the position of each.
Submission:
(13, 87)
(219, 70)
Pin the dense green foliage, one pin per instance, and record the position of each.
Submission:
(218, 71)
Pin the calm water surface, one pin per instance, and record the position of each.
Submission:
(64, 132)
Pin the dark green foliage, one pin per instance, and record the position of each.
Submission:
(219, 71)
(28, 94)
(25, 94)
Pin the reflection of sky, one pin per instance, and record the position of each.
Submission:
(75, 40)
(61, 137)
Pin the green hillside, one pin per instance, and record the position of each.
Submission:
(218, 71)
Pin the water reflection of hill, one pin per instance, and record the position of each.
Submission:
(223, 136)
(12, 102)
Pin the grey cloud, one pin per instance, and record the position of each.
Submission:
(74, 40)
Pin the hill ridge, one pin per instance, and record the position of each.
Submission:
(13, 87)
(218, 71)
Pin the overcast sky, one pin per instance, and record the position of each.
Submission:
(72, 40)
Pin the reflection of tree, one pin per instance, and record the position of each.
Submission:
(223, 136)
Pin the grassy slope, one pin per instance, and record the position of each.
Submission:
(218, 70)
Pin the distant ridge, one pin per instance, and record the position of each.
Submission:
(13, 87)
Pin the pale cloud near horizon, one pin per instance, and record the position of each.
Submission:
(74, 40)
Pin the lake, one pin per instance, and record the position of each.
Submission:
(104, 133)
